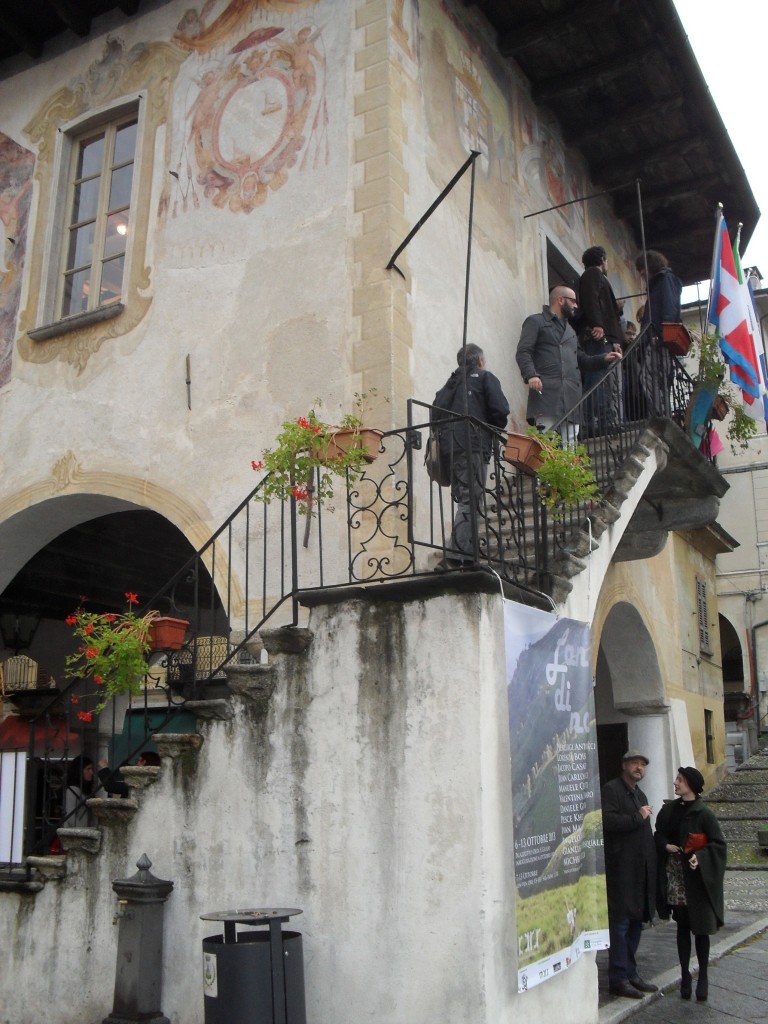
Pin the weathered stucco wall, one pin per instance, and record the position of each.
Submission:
(245, 271)
(374, 795)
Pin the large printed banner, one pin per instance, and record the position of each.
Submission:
(559, 861)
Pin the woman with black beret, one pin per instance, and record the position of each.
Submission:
(692, 853)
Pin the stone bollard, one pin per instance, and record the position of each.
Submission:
(139, 970)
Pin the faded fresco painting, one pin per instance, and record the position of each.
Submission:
(547, 171)
(16, 165)
(254, 106)
(481, 116)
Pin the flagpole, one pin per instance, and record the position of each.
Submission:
(718, 221)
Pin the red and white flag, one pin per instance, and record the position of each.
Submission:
(731, 313)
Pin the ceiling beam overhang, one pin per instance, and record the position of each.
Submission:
(549, 89)
(539, 30)
(615, 171)
(586, 133)
(72, 17)
(31, 45)
(665, 195)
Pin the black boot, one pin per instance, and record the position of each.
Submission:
(686, 985)
(702, 955)
(702, 987)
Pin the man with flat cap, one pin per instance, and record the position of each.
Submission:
(630, 873)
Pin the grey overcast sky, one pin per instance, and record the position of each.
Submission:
(729, 43)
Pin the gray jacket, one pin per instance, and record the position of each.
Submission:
(548, 351)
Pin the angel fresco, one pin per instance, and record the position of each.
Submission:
(204, 29)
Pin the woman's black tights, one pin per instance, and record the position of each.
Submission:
(684, 944)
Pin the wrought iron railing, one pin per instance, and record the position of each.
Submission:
(647, 383)
(392, 523)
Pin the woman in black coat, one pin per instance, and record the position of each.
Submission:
(692, 853)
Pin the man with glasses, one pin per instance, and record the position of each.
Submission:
(551, 363)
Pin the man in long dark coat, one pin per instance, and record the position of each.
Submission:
(630, 871)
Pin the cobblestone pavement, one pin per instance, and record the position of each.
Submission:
(746, 890)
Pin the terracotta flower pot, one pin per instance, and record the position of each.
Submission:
(719, 409)
(676, 338)
(167, 633)
(523, 451)
(342, 440)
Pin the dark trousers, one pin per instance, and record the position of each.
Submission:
(625, 938)
(468, 473)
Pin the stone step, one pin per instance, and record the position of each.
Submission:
(737, 810)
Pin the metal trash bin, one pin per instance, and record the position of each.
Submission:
(253, 977)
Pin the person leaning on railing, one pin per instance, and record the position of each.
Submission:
(662, 307)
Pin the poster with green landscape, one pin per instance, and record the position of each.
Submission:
(558, 843)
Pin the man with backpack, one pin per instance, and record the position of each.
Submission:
(470, 398)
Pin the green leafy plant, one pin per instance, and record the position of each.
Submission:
(711, 373)
(565, 475)
(309, 453)
(112, 654)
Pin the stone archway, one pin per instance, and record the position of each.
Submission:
(88, 544)
(630, 702)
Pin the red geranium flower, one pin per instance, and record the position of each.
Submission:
(257, 465)
(131, 598)
(303, 422)
(85, 716)
(300, 493)
(71, 620)
(98, 680)
(74, 699)
(88, 629)
(91, 652)
(109, 616)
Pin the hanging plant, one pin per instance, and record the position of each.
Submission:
(113, 652)
(309, 453)
(711, 374)
(565, 475)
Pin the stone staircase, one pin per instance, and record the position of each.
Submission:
(251, 685)
(741, 805)
(571, 556)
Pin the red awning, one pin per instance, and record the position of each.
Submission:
(52, 739)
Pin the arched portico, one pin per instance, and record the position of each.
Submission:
(87, 543)
(631, 705)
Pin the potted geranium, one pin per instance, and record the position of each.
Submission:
(113, 651)
(308, 453)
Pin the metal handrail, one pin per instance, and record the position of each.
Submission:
(396, 525)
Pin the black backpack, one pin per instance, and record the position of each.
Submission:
(437, 458)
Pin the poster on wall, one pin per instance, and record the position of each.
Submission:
(558, 839)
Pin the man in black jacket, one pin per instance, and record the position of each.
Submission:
(630, 873)
(600, 334)
(468, 446)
